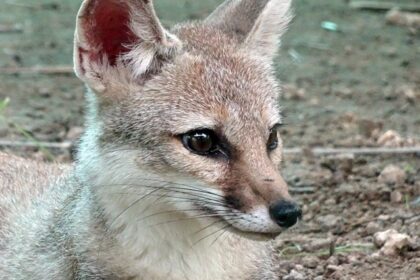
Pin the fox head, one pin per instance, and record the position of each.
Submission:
(187, 117)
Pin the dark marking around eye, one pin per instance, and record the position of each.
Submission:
(233, 202)
(268, 180)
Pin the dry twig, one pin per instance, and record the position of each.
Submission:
(384, 6)
(50, 70)
(27, 144)
(22, 5)
(320, 151)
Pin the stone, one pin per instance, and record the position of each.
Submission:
(333, 268)
(372, 228)
(392, 175)
(397, 17)
(409, 92)
(391, 242)
(294, 275)
(310, 262)
(292, 92)
(329, 221)
(347, 188)
(396, 196)
(390, 138)
(342, 162)
(74, 133)
(370, 128)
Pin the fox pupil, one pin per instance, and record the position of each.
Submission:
(201, 142)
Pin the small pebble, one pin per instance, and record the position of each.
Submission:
(391, 242)
(310, 262)
(329, 221)
(74, 133)
(332, 267)
(384, 217)
(299, 267)
(396, 197)
(397, 17)
(390, 139)
(372, 227)
(347, 188)
(294, 275)
(392, 175)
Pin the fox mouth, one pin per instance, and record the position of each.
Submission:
(228, 222)
(257, 236)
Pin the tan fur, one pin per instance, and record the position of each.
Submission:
(138, 204)
(21, 181)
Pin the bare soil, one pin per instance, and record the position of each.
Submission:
(343, 88)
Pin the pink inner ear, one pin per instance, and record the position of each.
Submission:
(108, 29)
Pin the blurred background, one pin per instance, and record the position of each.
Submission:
(350, 72)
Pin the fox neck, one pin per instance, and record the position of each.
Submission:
(156, 239)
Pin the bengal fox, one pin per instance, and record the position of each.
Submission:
(176, 176)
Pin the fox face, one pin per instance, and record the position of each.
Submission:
(187, 117)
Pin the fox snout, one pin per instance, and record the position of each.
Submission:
(274, 210)
(259, 192)
(282, 209)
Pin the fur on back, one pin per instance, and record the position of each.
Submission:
(22, 181)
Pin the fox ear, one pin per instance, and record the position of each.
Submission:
(258, 24)
(125, 37)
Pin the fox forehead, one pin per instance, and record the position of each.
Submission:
(212, 86)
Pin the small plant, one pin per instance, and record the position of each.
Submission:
(408, 168)
(407, 201)
(3, 105)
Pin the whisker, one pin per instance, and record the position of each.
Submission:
(184, 185)
(176, 198)
(194, 217)
(177, 211)
(220, 235)
(210, 234)
(159, 180)
(219, 212)
(209, 225)
(131, 205)
(174, 189)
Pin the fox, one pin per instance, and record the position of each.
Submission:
(177, 175)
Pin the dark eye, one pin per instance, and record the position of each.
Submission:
(273, 140)
(202, 142)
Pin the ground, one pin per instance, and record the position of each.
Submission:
(344, 86)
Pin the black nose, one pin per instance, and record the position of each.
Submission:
(285, 213)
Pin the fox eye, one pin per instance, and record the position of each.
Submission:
(201, 142)
(273, 140)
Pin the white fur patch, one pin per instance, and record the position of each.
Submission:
(258, 220)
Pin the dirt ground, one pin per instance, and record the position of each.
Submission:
(352, 84)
